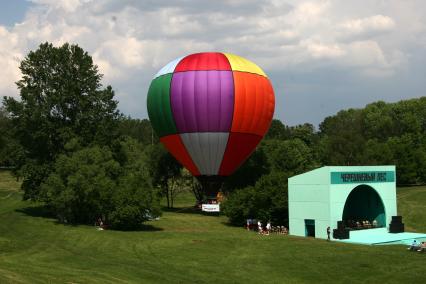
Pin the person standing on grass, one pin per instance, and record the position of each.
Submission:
(248, 224)
(328, 233)
(259, 226)
(268, 227)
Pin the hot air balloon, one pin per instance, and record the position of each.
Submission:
(210, 110)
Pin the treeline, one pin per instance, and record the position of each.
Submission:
(74, 150)
(379, 134)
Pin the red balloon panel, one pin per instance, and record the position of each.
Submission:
(203, 61)
(174, 145)
(239, 148)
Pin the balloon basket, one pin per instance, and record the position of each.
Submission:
(211, 186)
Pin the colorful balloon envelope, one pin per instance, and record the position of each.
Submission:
(210, 110)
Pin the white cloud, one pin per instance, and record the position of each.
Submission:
(318, 50)
(377, 23)
(10, 56)
(65, 5)
(131, 40)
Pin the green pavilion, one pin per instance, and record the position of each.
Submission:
(357, 203)
(321, 198)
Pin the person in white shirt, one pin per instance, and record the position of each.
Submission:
(414, 245)
(268, 227)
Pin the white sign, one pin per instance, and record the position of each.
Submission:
(210, 207)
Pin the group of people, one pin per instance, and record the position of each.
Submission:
(265, 230)
(415, 246)
(362, 224)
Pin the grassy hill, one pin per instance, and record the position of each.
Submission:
(412, 206)
(187, 247)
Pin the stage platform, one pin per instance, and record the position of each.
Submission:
(381, 236)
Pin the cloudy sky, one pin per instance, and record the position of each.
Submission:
(321, 56)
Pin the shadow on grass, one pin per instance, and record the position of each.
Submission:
(189, 210)
(37, 211)
(229, 224)
(141, 228)
(42, 211)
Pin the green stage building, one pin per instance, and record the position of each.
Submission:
(320, 198)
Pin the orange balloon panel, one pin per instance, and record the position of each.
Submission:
(174, 144)
(254, 103)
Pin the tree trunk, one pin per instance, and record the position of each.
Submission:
(167, 196)
(172, 189)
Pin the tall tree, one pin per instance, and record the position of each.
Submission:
(290, 156)
(61, 98)
(343, 139)
(277, 130)
(89, 183)
(4, 136)
(163, 169)
(139, 129)
(250, 171)
(10, 150)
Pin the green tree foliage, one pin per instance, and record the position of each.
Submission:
(267, 198)
(379, 134)
(184, 182)
(139, 129)
(291, 157)
(11, 151)
(409, 154)
(4, 137)
(89, 183)
(256, 166)
(267, 201)
(343, 138)
(163, 169)
(304, 132)
(61, 98)
(82, 184)
(277, 130)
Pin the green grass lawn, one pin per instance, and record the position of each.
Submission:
(412, 207)
(187, 247)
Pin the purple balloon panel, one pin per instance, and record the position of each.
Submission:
(202, 101)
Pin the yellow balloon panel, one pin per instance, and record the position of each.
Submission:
(239, 63)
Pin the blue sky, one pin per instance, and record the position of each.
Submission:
(321, 56)
(12, 11)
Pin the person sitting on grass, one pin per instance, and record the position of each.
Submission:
(422, 247)
(285, 231)
(358, 225)
(368, 224)
(414, 245)
(364, 224)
